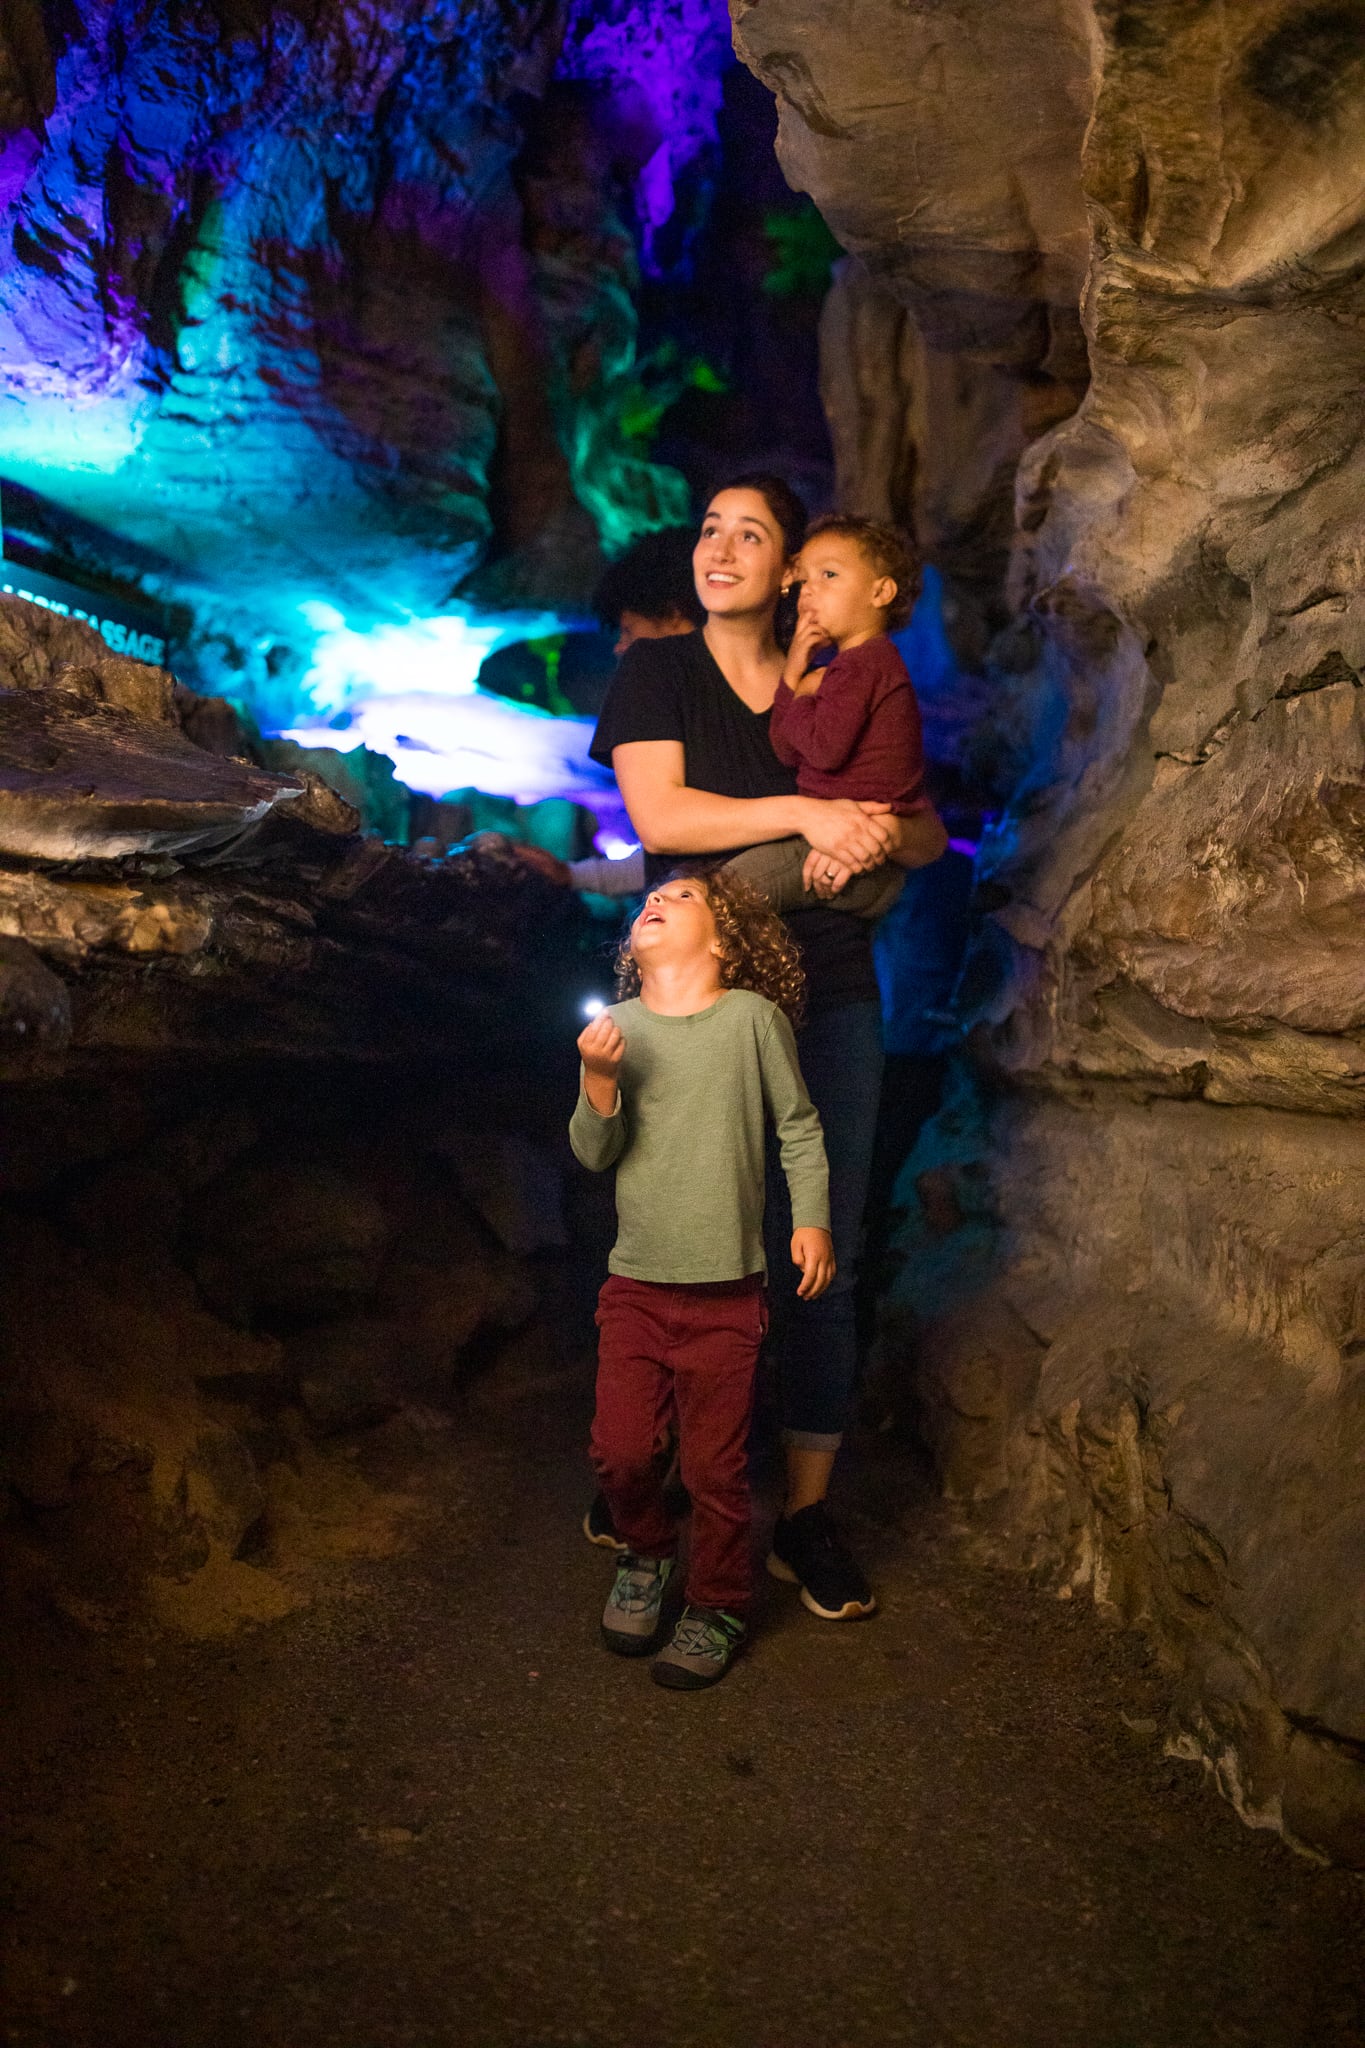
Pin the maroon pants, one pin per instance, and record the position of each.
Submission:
(688, 1352)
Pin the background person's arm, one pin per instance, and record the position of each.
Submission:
(672, 817)
(599, 876)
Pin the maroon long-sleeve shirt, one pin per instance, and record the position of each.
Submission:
(859, 735)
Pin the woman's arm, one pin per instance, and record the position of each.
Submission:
(671, 817)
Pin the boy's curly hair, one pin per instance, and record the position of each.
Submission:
(889, 551)
(757, 952)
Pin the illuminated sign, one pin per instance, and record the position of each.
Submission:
(124, 628)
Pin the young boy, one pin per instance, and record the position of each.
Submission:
(676, 1084)
(851, 729)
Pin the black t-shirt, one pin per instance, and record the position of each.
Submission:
(671, 689)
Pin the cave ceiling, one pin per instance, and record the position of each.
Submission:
(336, 302)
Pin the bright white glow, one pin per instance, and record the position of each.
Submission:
(323, 618)
(441, 655)
(477, 741)
(47, 433)
(594, 1006)
(409, 691)
(616, 848)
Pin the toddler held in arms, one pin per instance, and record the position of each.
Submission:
(678, 1082)
(851, 729)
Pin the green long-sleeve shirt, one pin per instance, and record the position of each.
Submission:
(687, 1137)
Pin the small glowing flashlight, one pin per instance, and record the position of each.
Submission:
(594, 1006)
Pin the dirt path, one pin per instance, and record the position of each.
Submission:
(433, 1812)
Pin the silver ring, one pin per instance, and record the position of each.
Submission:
(829, 874)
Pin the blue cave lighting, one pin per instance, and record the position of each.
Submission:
(410, 691)
(438, 656)
(471, 741)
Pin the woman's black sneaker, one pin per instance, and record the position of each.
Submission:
(807, 1553)
(599, 1527)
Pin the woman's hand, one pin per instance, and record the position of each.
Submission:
(856, 836)
(813, 1252)
(601, 1048)
(824, 877)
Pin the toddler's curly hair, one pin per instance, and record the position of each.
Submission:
(757, 951)
(889, 551)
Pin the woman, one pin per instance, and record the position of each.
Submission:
(685, 730)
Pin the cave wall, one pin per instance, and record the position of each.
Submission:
(282, 1148)
(1141, 1351)
(336, 303)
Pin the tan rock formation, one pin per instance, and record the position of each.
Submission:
(1158, 1378)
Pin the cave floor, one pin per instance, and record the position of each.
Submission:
(427, 1809)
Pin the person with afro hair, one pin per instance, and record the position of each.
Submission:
(648, 592)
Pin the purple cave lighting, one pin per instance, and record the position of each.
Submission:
(668, 59)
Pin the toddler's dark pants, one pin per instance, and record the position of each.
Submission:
(691, 1351)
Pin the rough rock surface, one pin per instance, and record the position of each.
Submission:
(94, 761)
(271, 1159)
(268, 923)
(953, 338)
(330, 305)
(1143, 1339)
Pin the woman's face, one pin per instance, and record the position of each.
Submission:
(740, 560)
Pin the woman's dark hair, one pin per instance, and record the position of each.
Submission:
(757, 951)
(780, 499)
(654, 578)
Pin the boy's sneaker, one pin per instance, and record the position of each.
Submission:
(703, 1648)
(599, 1527)
(632, 1620)
(807, 1553)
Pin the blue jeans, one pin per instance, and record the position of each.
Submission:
(841, 1058)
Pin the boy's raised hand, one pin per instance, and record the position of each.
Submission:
(807, 637)
(813, 1252)
(601, 1047)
